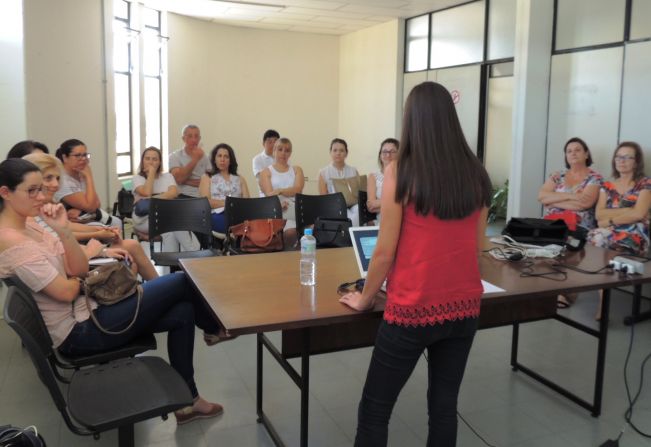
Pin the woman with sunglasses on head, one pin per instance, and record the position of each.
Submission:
(428, 245)
(388, 153)
(50, 263)
(77, 191)
(220, 182)
(119, 248)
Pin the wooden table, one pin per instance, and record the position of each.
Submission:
(261, 293)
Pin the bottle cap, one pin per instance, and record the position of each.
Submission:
(307, 232)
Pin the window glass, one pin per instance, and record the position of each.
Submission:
(501, 29)
(122, 113)
(458, 35)
(641, 19)
(582, 23)
(121, 9)
(124, 164)
(417, 34)
(151, 54)
(120, 46)
(150, 18)
(152, 112)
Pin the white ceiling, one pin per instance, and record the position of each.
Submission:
(311, 16)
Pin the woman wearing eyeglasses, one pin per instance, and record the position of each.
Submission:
(388, 153)
(77, 191)
(623, 207)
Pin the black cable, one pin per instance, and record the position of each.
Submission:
(474, 431)
(628, 414)
(528, 271)
(580, 270)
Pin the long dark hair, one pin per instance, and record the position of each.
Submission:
(437, 171)
(141, 168)
(66, 147)
(12, 174)
(639, 159)
(22, 148)
(232, 166)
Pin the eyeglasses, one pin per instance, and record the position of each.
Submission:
(624, 157)
(80, 156)
(33, 192)
(390, 152)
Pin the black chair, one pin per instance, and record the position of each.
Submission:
(308, 208)
(180, 215)
(103, 397)
(137, 346)
(237, 210)
(365, 216)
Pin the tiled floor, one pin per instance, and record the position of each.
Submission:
(505, 407)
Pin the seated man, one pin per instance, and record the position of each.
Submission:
(265, 158)
(187, 165)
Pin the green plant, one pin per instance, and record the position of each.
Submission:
(498, 202)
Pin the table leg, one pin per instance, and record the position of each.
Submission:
(601, 353)
(259, 377)
(637, 316)
(305, 386)
(514, 346)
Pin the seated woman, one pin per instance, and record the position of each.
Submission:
(338, 169)
(623, 206)
(26, 147)
(572, 194)
(285, 181)
(220, 182)
(152, 182)
(50, 167)
(77, 190)
(51, 263)
(388, 153)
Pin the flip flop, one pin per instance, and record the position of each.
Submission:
(562, 304)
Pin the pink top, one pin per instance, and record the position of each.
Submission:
(37, 264)
(435, 276)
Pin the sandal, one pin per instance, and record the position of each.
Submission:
(213, 339)
(187, 414)
(560, 304)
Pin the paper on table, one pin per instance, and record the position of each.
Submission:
(100, 261)
(491, 288)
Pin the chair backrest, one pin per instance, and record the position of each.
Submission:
(309, 207)
(25, 319)
(180, 215)
(365, 216)
(238, 209)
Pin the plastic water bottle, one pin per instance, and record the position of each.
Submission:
(308, 258)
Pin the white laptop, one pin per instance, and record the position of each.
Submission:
(364, 240)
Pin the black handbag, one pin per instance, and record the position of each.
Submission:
(528, 230)
(332, 232)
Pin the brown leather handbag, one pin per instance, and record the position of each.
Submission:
(259, 235)
(109, 284)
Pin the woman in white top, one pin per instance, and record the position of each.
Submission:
(221, 182)
(285, 181)
(152, 182)
(77, 191)
(338, 169)
(388, 153)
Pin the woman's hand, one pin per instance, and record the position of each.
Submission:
(356, 301)
(94, 248)
(285, 205)
(86, 171)
(151, 172)
(55, 216)
(73, 214)
(119, 254)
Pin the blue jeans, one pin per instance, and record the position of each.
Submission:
(169, 304)
(397, 350)
(218, 222)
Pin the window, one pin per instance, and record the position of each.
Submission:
(457, 35)
(417, 42)
(139, 52)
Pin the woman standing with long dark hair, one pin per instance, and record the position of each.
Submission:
(434, 205)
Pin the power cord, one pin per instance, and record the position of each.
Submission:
(528, 271)
(628, 414)
(472, 429)
(587, 272)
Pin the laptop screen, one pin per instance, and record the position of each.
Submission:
(364, 240)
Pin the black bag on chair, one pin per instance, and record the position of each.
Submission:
(332, 232)
(529, 230)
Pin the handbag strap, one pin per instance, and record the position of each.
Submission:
(139, 293)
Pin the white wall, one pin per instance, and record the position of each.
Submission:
(369, 93)
(64, 82)
(12, 85)
(235, 83)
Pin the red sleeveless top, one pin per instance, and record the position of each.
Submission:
(435, 275)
